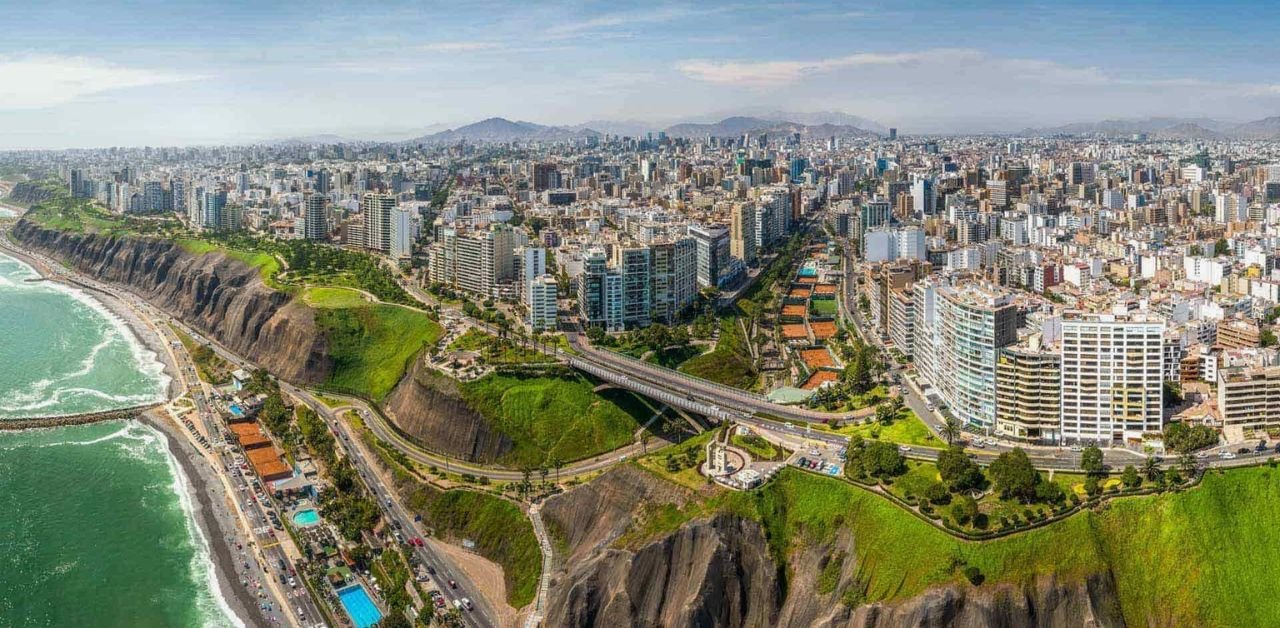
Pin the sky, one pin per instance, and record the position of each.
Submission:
(178, 72)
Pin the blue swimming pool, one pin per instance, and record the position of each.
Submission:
(359, 606)
(809, 270)
(236, 410)
(308, 517)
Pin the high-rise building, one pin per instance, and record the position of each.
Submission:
(974, 321)
(212, 204)
(924, 197)
(315, 218)
(713, 250)
(1111, 377)
(475, 262)
(542, 303)
(545, 177)
(634, 264)
(674, 273)
(377, 209)
(742, 233)
(401, 234)
(1029, 392)
(529, 263)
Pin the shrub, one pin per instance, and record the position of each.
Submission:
(973, 575)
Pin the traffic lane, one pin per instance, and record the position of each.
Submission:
(396, 513)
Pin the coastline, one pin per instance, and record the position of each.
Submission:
(214, 518)
(211, 509)
(142, 332)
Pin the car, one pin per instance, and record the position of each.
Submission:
(293, 583)
(453, 585)
(1226, 455)
(1202, 454)
(1243, 451)
(904, 449)
(466, 603)
(1076, 449)
(977, 442)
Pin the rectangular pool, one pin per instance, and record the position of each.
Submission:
(356, 601)
(237, 411)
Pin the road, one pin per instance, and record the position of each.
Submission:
(392, 505)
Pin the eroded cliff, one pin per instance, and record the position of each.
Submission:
(718, 571)
(222, 297)
(428, 408)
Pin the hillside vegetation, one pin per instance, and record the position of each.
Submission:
(556, 416)
(1199, 557)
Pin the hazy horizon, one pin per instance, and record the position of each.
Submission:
(76, 74)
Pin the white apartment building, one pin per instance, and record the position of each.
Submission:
(1111, 377)
(542, 303)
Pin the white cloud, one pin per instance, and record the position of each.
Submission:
(764, 74)
(657, 15)
(46, 81)
(460, 46)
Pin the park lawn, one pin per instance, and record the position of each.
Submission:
(907, 429)
(729, 363)
(919, 476)
(371, 346)
(498, 527)
(555, 417)
(330, 298)
(688, 475)
(266, 263)
(759, 448)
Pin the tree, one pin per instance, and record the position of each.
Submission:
(964, 509)
(1171, 393)
(937, 494)
(885, 414)
(951, 429)
(958, 470)
(1221, 247)
(1130, 477)
(1092, 486)
(1151, 469)
(1187, 463)
(1013, 475)
(1184, 438)
(881, 459)
(1091, 461)
(395, 619)
(1268, 338)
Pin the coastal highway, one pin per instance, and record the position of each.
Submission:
(483, 614)
(391, 503)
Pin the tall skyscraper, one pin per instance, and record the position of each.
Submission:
(742, 233)
(377, 208)
(315, 218)
(974, 322)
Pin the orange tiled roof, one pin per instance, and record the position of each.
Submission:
(819, 378)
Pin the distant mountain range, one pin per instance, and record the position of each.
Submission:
(1169, 128)
(814, 125)
(503, 130)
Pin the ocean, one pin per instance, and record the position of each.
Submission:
(96, 526)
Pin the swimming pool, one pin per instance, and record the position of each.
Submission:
(359, 606)
(809, 269)
(236, 410)
(308, 517)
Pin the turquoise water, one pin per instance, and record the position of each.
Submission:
(809, 269)
(308, 517)
(359, 606)
(96, 528)
(61, 352)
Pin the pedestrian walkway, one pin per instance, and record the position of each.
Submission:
(548, 561)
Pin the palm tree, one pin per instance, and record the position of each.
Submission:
(951, 430)
(1150, 468)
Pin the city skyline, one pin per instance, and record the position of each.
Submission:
(79, 75)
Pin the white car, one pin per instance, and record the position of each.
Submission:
(1226, 455)
(904, 449)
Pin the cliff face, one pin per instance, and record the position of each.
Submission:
(222, 297)
(29, 193)
(718, 572)
(429, 408)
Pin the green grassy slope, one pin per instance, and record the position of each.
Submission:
(371, 345)
(555, 416)
(1201, 557)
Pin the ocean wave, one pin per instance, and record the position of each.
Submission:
(217, 611)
